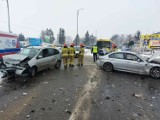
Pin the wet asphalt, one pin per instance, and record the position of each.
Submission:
(80, 93)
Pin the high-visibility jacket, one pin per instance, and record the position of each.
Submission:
(65, 52)
(71, 51)
(81, 52)
(95, 49)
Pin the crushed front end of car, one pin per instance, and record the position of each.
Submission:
(15, 64)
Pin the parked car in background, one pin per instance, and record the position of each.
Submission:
(77, 49)
(131, 62)
(33, 59)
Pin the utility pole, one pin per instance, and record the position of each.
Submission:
(77, 24)
(9, 27)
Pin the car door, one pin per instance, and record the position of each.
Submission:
(57, 55)
(118, 61)
(42, 60)
(52, 58)
(134, 63)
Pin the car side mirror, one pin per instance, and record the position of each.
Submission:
(139, 60)
(39, 56)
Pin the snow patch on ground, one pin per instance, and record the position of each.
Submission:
(88, 52)
(1, 75)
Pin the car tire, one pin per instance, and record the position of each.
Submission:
(155, 72)
(58, 64)
(108, 67)
(32, 72)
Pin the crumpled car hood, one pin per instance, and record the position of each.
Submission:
(14, 58)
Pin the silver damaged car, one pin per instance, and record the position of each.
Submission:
(131, 62)
(33, 59)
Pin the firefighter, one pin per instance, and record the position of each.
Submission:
(94, 51)
(71, 55)
(114, 48)
(65, 55)
(81, 55)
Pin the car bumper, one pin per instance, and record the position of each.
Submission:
(16, 70)
(99, 63)
(20, 72)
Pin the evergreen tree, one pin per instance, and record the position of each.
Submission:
(137, 35)
(47, 36)
(77, 40)
(87, 38)
(92, 40)
(62, 37)
(42, 36)
(21, 37)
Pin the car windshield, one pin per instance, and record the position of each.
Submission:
(30, 52)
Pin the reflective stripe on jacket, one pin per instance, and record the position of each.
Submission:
(65, 52)
(81, 52)
(71, 51)
(95, 49)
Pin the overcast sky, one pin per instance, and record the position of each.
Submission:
(104, 17)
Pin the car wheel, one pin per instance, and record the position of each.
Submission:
(155, 72)
(32, 72)
(108, 67)
(58, 64)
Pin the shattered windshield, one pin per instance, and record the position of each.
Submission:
(30, 52)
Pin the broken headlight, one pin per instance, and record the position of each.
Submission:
(23, 64)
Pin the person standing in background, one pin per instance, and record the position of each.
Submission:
(94, 51)
(71, 55)
(81, 55)
(65, 55)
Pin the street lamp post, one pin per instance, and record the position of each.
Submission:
(9, 28)
(77, 24)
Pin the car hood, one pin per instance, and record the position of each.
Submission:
(14, 58)
(155, 56)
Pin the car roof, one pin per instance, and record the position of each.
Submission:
(126, 52)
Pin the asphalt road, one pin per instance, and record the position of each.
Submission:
(80, 93)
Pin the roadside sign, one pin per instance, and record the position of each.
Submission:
(35, 41)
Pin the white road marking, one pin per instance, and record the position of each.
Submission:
(85, 97)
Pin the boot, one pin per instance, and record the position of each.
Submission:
(81, 64)
(78, 64)
(72, 65)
